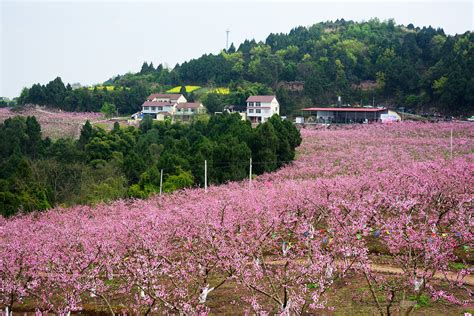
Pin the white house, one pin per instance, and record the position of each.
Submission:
(159, 105)
(261, 107)
(163, 97)
(185, 111)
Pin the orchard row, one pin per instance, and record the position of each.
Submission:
(283, 240)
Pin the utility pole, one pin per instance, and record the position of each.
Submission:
(373, 102)
(205, 175)
(227, 39)
(250, 173)
(161, 181)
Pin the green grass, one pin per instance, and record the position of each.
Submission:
(423, 300)
(101, 125)
(457, 265)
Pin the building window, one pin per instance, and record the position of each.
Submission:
(276, 109)
(250, 110)
(146, 108)
(160, 108)
(192, 110)
(250, 104)
(257, 103)
(258, 111)
(153, 108)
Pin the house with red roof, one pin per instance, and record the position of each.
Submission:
(160, 105)
(166, 97)
(261, 107)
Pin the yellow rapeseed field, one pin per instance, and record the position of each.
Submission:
(220, 90)
(188, 89)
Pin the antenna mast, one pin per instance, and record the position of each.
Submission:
(227, 39)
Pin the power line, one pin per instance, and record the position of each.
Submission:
(238, 163)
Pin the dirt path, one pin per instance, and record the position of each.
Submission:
(468, 279)
(384, 268)
(43, 111)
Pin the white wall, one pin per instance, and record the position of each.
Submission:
(267, 110)
(169, 108)
(181, 99)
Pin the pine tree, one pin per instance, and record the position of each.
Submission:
(265, 145)
(33, 131)
(231, 49)
(87, 133)
(146, 123)
(145, 68)
(183, 92)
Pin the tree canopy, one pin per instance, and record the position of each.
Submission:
(421, 69)
(36, 173)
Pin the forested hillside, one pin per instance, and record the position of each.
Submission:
(37, 173)
(420, 69)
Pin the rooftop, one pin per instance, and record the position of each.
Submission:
(188, 105)
(237, 108)
(151, 103)
(171, 96)
(261, 98)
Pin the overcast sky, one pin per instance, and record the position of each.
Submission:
(91, 41)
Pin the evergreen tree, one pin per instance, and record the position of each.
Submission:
(151, 68)
(87, 132)
(146, 124)
(116, 128)
(145, 68)
(183, 91)
(231, 49)
(108, 109)
(55, 92)
(34, 142)
(265, 145)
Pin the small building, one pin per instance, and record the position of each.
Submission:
(299, 120)
(154, 108)
(241, 109)
(185, 111)
(344, 115)
(160, 105)
(261, 107)
(167, 97)
(235, 108)
(390, 117)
